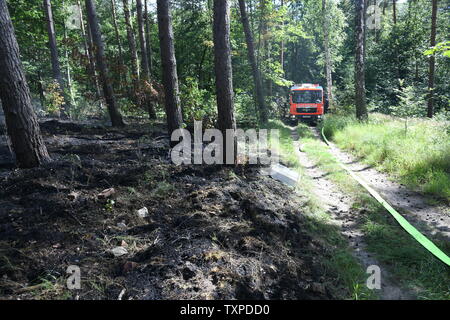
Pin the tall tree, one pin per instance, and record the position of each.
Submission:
(222, 68)
(252, 59)
(144, 58)
(22, 126)
(394, 11)
(360, 86)
(147, 36)
(328, 65)
(282, 42)
(132, 46)
(432, 60)
(56, 70)
(87, 45)
(116, 117)
(169, 67)
(119, 42)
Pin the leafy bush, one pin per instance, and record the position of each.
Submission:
(197, 104)
(54, 99)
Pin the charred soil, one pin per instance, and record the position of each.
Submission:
(211, 232)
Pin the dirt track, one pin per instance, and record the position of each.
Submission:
(339, 207)
(430, 219)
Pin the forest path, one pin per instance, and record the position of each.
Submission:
(431, 219)
(339, 207)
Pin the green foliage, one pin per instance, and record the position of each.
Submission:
(54, 99)
(442, 48)
(198, 104)
(411, 104)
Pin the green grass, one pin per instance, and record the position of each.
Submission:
(413, 265)
(419, 157)
(342, 264)
(285, 144)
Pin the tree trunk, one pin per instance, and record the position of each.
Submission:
(282, 42)
(223, 71)
(68, 74)
(430, 108)
(119, 43)
(169, 67)
(394, 11)
(148, 39)
(252, 59)
(94, 66)
(116, 117)
(132, 46)
(144, 59)
(327, 55)
(90, 67)
(360, 87)
(56, 70)
(21, 122)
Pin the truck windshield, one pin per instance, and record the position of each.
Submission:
(307, 96)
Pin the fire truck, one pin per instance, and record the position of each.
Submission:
(306, 102)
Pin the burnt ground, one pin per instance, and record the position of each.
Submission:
(212, 232)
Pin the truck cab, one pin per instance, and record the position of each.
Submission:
(306, 102)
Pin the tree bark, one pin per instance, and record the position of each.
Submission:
(144, 58)
(169, 67)
(394, 11)
(21, 121)
(223, 70)
(68, 73)
(87, 44)
(252, 59)
(148, 39)
(93, 66)
(432, 61)
(132, 45)
(56, 69)
(282, 42)
(116, 117)
(328, 62)
(360, 87)
(119, 43)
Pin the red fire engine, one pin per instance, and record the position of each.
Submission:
(306, 102)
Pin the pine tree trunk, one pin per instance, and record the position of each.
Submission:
(22, 125)
(90, 67)
(94, 66)
(56, 70)
(327, 56)
(360, 87)
(169, 67)
(144, 58)
(119, 43)
(282, 43)
(116, 117)
(394, 11)
(135, 76)
(432, 61)
(223, 71)
(68, 73)
(252, 59)
(148, 39)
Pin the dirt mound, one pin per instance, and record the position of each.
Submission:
(211, 232)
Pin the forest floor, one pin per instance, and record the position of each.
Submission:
(211, 232)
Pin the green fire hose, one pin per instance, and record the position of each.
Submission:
(424, 241)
